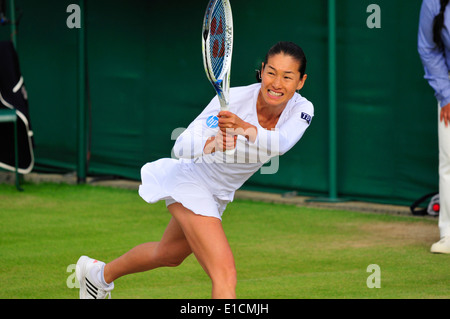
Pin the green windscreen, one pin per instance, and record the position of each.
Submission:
(146, 81)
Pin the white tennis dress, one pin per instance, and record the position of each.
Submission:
(206, 183)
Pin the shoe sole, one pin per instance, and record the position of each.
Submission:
(435, 251)
(438, 249)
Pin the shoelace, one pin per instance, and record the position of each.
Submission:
(106, 296)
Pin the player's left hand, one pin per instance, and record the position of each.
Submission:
(445, 115)
(229, 122)
(232, 124)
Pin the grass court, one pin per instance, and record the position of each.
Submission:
(281, 251)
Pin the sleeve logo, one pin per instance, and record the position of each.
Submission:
(306, 117)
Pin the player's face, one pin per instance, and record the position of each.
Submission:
(280, 79)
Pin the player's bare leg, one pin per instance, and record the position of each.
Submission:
(169, 252)
(209, 244)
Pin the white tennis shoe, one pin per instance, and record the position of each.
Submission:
(442, 246)
(89, 271)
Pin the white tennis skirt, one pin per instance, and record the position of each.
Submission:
(167, 179)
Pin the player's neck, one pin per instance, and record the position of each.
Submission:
(268, 114)
(267, 109)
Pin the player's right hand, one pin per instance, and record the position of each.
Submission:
(225, 141)
(445, 114)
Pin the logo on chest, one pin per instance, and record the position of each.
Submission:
(212, 121)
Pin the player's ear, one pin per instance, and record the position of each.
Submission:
(302, 82)
(259, 73)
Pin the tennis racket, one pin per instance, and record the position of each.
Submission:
(217, 49)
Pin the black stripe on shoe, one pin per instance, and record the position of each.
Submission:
(91, 289)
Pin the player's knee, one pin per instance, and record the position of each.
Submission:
(173, 262)
(226, 276)
(168, 259)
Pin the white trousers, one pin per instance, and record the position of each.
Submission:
(444, 177)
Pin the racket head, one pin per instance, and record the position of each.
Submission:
(217, 46)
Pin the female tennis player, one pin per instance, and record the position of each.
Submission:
(266, 119)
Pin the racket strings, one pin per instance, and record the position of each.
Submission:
(218, 39)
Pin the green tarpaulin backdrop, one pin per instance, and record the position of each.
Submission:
(145, 78)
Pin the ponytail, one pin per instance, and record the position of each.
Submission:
(438, 25)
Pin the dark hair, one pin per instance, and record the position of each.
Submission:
(288, 48)
(438, 24)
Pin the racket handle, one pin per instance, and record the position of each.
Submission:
(225, 107)
(232, 151)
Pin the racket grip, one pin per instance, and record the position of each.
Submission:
(232, 151)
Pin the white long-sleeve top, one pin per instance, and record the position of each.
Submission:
(224, 174)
